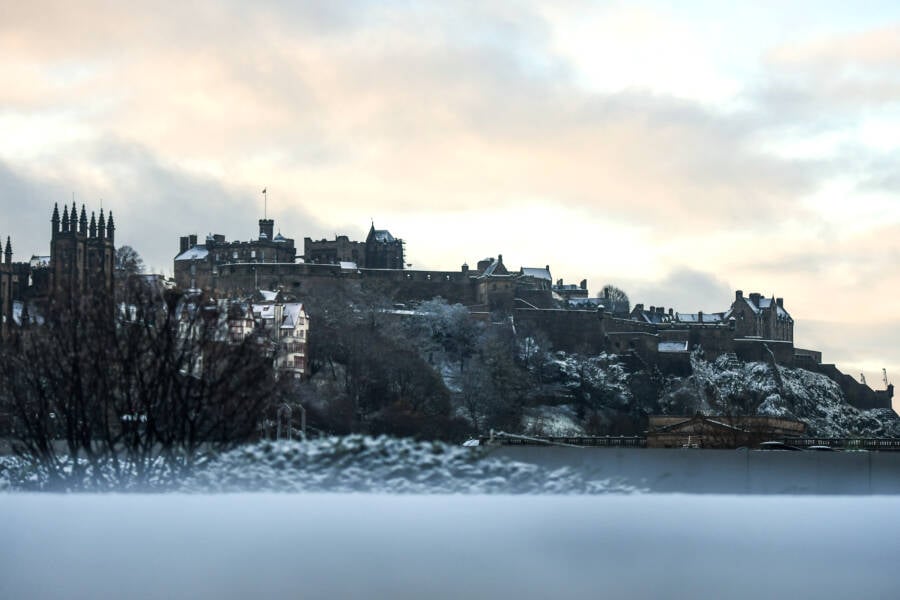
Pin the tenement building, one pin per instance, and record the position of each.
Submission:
(6, 288)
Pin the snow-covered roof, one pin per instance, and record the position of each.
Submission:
(293, 311)
(348, 265)
(696, 317)
(268, 295)
(673, 346)
(383, 235)
(39, 261)
(537, 273)
(195, 253)
(766, 303)
(264, 311)
(280, 238)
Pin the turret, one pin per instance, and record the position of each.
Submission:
(54, 221)
(110, 228)
(266, 229)
(92, 228)
(7, 254)
(65, 219)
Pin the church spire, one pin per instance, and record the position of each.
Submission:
(7, 254)
(65, 219)
(92, 228)
(101, 226)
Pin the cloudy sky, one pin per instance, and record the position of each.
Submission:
(680, 153)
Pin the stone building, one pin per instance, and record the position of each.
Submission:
(757, 316)
(82, 256)
(197, 266)
(383, 251)
(718, 431)
(333, 252)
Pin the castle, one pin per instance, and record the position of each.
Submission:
(754, 327)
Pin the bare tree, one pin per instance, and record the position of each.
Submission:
(132, 394)
(128, 261)
(616, 299)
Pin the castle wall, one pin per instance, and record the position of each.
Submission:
(568, 330)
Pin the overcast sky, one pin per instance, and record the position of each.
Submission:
(680, 153)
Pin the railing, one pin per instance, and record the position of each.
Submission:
(888, 444)
(509, 439)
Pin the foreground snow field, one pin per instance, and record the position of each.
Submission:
(447, 546)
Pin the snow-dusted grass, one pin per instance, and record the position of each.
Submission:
(461, 546)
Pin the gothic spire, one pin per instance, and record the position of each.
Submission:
(82, 222)
(92, 228)
(101, 226)
(110, 228)
(7, 254)
(65, 219)
(54, 220)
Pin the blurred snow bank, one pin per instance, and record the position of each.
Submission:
(307, 546)
(357, 464)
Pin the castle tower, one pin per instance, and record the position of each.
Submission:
(266, 229)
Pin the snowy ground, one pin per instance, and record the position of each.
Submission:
(446, 546)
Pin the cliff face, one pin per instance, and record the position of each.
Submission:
(598, 395)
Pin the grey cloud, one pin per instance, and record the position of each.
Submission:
(153, 204)
(685, 290)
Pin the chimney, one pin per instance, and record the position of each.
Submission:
(639, 307)
(754, 298)
(700, 316)
(652, 309)
(779, 302)
(671, 312)
(184, 244)
(661, 310)
(192, 240)
(583, 284)
(465, 268)
(738, 296)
